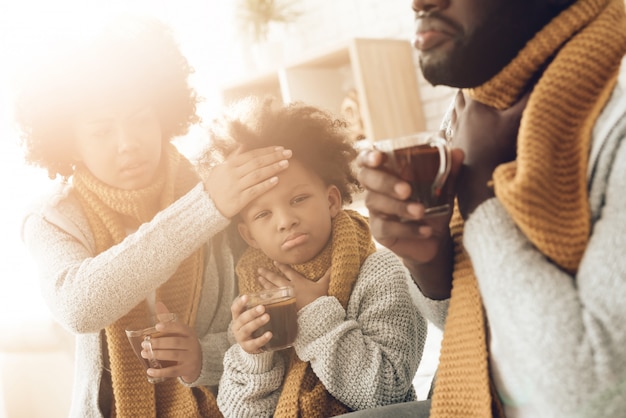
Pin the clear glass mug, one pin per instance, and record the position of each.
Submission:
(280, 305)
(145, 332)
(424, 161)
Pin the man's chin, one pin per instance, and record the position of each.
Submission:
(434, 75)
(438, 69)
(451, 75)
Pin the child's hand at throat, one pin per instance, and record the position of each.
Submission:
(306, 290)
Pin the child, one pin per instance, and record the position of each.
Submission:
(360, 337)
(131, 222)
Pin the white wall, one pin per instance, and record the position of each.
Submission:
(323, 23)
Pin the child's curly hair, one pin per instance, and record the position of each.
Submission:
(321, 141)
(129, 56)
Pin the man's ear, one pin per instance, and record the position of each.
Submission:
(334, 200)
(244, 231)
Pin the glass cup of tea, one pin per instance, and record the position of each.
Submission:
(280, 305)
(423, 160)
(144, 332)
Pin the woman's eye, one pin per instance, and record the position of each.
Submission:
(102, 131)
(142, 120)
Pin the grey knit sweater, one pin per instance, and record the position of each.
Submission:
(558, 342)
(365, 355)
(87, 292)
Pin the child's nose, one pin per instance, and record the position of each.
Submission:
(287, 220)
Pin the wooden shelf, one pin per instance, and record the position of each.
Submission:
(381, 71)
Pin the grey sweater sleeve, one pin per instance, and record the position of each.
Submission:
(87, 292)
(561, 342)
(366, 355)
(251, 383)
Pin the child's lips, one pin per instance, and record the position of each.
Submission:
(134, 169)
(293, 241)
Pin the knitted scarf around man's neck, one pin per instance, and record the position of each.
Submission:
(303, 395)
(545, 189)
(108, 210)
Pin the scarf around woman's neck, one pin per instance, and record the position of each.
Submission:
(106, 208)
(303, 395)
(545, 189)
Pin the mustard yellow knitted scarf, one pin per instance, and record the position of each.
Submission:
(105, 208)
(303, 395)
(545, 189)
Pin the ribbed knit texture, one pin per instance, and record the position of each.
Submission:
(303, 395)
(545, 189)
(104, 208)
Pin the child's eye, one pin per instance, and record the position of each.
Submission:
(261, 215)
(299, 199)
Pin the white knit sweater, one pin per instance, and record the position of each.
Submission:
(86, 293)
(365, 355)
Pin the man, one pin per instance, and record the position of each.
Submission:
(528, 273)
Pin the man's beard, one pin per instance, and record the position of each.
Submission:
(461, 69)
(482, 54)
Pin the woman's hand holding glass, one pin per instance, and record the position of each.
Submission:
(179, 344)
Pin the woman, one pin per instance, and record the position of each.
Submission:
(133, 230)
